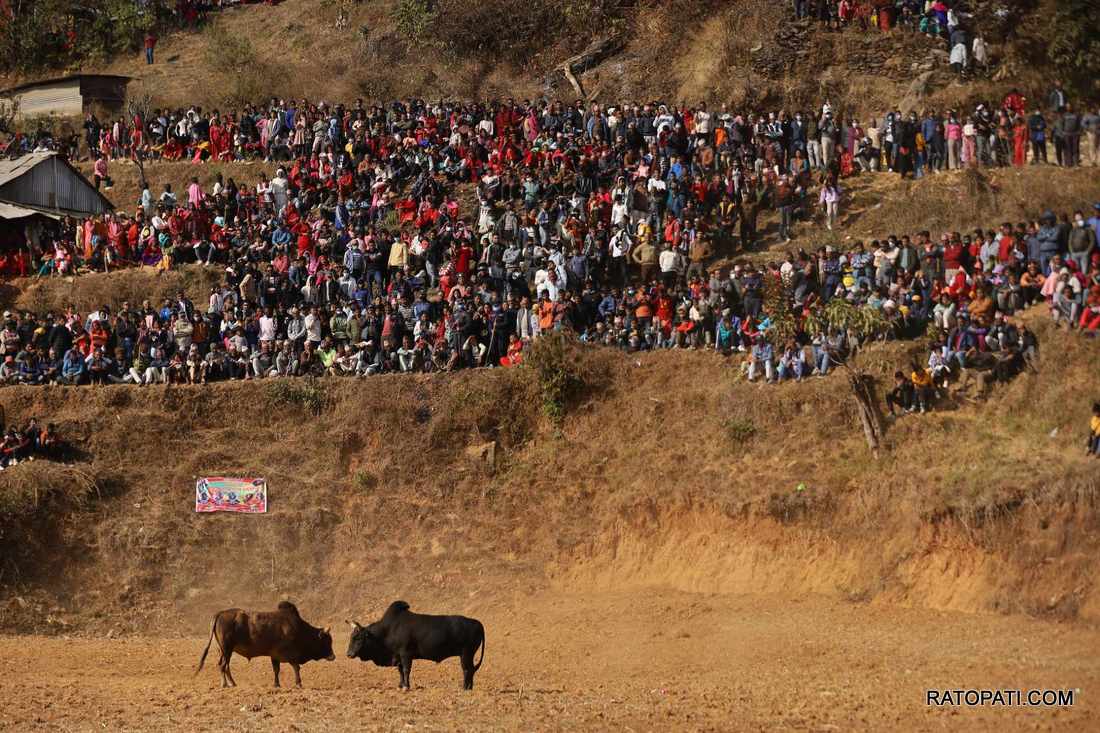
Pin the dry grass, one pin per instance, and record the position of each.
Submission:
(86, 292)
(676, 50)
(27, 487)
(878, 205)
(666, 451)
(379, 478)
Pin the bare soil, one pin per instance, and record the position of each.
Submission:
(647, 660)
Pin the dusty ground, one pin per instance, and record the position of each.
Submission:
(651, 661)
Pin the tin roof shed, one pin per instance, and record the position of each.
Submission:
(67, 96)
(49, 184)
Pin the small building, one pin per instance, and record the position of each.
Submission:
(36, 191)
(68, 96)
(46, 183)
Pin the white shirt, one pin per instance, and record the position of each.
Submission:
(313, 327)
(669, 261)
(618, 213)
(619, 244)
(278, 191)
(702, 122)
(267, 328)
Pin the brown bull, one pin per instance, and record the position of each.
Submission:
(282, 635)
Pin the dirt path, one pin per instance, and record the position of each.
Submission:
(642, 661)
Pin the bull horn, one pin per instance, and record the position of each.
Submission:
(352, 624)
(328, 629)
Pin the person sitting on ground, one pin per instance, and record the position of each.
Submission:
(761, 358)
(1094, 431)
(901, 396)
(792, 363)
(922, 386)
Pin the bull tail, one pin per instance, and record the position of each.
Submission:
(202, 659)
(482, 658)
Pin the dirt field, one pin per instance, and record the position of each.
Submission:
(661, 660)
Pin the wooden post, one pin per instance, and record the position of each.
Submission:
(869, 416)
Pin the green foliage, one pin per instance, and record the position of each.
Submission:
(840, 315)
(308, 393)
(414, 19)
(837, 315)
(234, 57)
(739, 430)
(559, 378)
(60, 32)
(1073, 33)
(777, 306)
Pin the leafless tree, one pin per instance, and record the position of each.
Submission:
(140, 106)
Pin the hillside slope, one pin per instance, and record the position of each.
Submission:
(670, 471)
(747, 52)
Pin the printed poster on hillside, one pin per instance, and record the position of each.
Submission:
(222, 494)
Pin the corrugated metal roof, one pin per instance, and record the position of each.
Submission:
(54, 80)
(12, 168)
(49, 183)
(11, 211)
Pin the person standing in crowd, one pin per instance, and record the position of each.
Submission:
(357, 257)
(149, 44)
(829, 200)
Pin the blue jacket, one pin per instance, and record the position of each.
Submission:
(73, 365)
(1048, 239)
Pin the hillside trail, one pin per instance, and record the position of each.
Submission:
(648, 659)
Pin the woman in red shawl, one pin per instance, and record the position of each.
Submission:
(217, 140)
(515, 352)
(305, 241)
(1019, 142)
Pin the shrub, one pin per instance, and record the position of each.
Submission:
(234, 56)
(414, 19)
(1073, 30)
(560, 382)
(308, 393)
(739, 430)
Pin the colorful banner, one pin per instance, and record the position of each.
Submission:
(220, 494)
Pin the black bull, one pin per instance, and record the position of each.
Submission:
(402, 636)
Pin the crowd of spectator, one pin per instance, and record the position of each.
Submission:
(946, 20)
(356, 257)
(28, 443)
(296, 314)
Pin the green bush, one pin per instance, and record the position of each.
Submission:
(560, 380)
(308, 393)
(414, 19)
(38, 34)
(1073, 30)
(739, 430)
